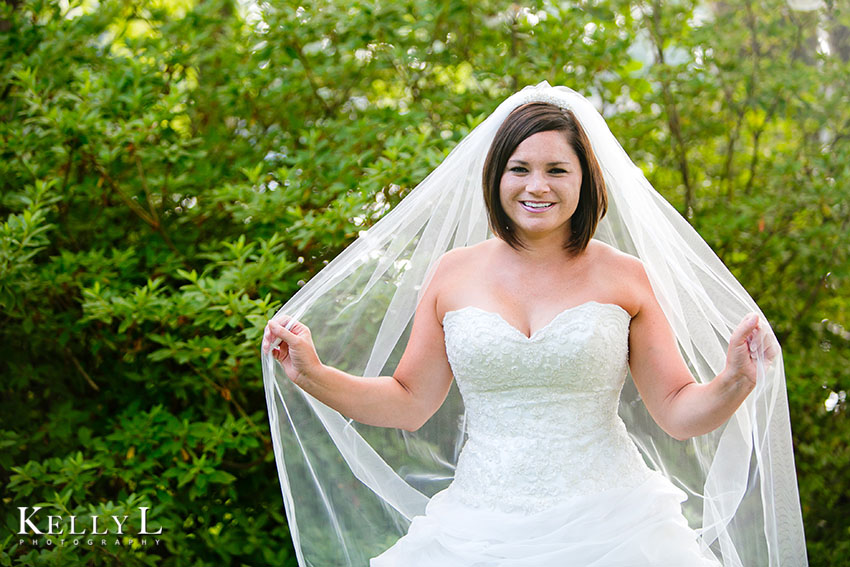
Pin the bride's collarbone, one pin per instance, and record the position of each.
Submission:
(526, 299)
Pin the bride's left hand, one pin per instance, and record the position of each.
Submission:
(748, 339)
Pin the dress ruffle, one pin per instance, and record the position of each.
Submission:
(640, 526)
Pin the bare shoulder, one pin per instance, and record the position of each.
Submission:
(458, 262)
(455, 265)
(454, 275)
(626, 274)
(609, 258)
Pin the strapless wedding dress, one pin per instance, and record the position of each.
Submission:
(548, 476)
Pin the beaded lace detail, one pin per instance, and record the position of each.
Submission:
(541, 411)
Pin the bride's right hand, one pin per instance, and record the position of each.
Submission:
(292, 347)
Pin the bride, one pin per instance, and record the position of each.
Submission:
(539, 327)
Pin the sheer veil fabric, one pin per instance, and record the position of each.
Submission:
(351, 490)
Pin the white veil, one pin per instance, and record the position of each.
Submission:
(350, 490)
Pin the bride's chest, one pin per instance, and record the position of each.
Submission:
(583, 349)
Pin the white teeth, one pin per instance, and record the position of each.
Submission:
(536, 205)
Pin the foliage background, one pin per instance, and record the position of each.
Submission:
(172, 170)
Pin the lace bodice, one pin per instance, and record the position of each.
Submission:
(541, 411)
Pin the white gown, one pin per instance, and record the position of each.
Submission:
(548, 476)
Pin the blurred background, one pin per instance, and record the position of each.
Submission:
(172, 171)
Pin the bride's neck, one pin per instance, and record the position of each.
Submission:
(541, 254)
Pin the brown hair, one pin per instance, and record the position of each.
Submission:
(523, 122)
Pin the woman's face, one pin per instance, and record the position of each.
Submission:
(540, 186)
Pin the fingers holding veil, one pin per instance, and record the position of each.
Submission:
(289, 341)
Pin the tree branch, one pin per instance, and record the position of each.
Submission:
(672, 113)
(149, 217)
(82, 371)
(308, 72)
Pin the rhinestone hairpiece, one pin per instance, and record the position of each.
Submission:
(544, 97)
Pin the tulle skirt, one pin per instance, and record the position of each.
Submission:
(639, 526)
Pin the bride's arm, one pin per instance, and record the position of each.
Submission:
(404, 400)
(681, 406)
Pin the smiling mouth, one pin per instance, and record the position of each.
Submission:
(536, 206)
